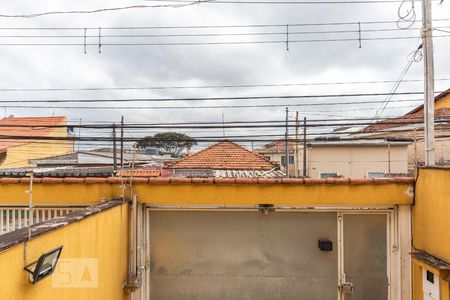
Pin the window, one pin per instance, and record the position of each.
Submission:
(283, 160)
(2, 157)
(267, 157)
(376, 175)
(329, 175)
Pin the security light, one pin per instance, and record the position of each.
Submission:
(45, 265)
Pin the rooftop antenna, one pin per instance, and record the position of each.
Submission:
(223, 125)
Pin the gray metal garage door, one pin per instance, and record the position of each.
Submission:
(242, 255)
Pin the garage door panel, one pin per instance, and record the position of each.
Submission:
(242, 255)
(205, 243)
(240, 287)
(291, 248)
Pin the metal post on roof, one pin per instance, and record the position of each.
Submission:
(304, 147)
(121, 143)
(296, 145)
(286, 148)
(114, 147)
(427, 35)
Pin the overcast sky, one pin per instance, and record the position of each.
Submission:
(146, 66)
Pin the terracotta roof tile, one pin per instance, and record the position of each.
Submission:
(224, 155)
(139, 173)
(168, 180)
(439, 114)
(416, 115)
(10, 128)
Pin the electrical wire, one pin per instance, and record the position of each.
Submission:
(209, 98)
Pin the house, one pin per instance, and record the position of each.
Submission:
(225, 159)
(276, 152)
(357, 158)
(348, 158)
(411, 126)
(16, 151)
(100, 158)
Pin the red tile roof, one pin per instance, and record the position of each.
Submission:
(36, 127)
(224, 155)
(439, 114)
(277, 147)
(139, 173)
(416, 115)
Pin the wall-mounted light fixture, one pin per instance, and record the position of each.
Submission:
(44, 266)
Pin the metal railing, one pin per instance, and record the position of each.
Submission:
(17, 217)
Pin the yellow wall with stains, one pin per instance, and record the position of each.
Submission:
(431, 221)
(211, 194)
(431, 224)
(102, 236)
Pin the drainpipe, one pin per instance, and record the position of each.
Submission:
(389, 158)
(134, 281)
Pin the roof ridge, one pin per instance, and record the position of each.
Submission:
(218, 144)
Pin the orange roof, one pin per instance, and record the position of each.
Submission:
(439, 114)
(277, 147)
(224, 155)
(34, 127)
(139, 173)
(415, 115)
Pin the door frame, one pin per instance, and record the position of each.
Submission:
(398, 240)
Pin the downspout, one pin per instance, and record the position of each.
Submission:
(134, 281)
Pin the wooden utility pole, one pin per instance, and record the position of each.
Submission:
(427, 34)
(296, 145)
(114, 147)
(286, 147)
(121, 143)
(304, 147)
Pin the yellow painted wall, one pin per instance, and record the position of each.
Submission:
(213, 194)
(431, 224)
(18, 156)
(443, 102)
(417, 269)
(102, 236)
(58, 194)
(185, 194)
(431, 213)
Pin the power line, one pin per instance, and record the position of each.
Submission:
(93, 11)
(209, 86)
(284, 2)
(215, 26)
(183, 3)
(206, 98)
(223, 43)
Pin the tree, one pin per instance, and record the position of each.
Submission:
(172, 143)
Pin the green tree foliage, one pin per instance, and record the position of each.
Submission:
(172, 143)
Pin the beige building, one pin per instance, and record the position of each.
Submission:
(343, 158)
(356, 159)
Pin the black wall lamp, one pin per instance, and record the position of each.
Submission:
(45, 265)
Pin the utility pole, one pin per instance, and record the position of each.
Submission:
(286, 148)
(304, 147)
(296, 145)
(121, 143)
(114, 147)
(427, 34)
